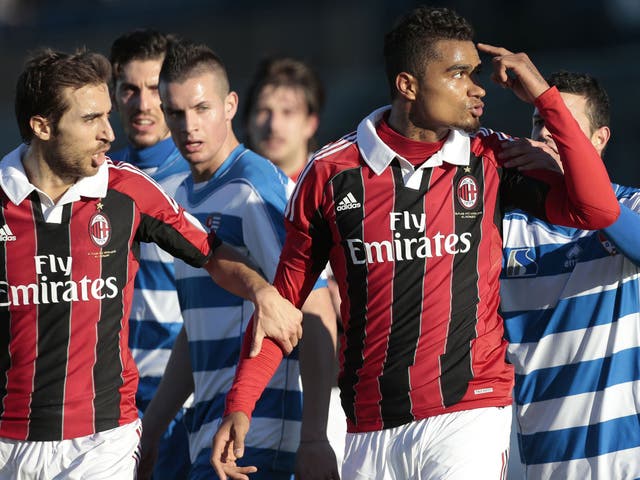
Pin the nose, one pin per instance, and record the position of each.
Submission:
(145, 100)
(541, 134)
(190, 122)
(477, 91)
(106, 132)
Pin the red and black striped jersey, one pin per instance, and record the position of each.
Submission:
(66, 284)
(417, 255)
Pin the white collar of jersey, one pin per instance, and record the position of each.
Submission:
(15, 183)
(379, 155)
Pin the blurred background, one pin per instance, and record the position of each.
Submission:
(343, 40)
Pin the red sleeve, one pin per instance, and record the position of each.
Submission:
(585, 198)
(162, 220)
(294, 280)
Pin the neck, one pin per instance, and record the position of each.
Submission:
(400, 119)
(42, 176)
(291, 167)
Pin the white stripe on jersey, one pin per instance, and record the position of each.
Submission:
(587, 278)
(582, 345)
(151, 363)
(159, 305)
(613, 402)
(611, 466)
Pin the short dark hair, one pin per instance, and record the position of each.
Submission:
(39, 90)
(410, 44)
(142, 44)
(186, 59)
(286, 72)
(598, 107)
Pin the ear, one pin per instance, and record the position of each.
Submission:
(41, 127)
(407, 85)
(600, 138)
(230, 105)
(311, 126)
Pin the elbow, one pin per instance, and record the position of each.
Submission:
(601, 218)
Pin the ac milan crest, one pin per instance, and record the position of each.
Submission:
(467, 192)
(100, 229)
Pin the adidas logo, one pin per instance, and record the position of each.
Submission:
(6, 235)
(349, 202)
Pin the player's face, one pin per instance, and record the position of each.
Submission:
(577, 105)
(78, 144)
(280, 125)
(138, 102)
(199, 113)
(448, 94)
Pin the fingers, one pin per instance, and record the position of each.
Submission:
(493, 50)
(256, 344)
(287, 345)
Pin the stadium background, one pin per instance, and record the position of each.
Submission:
(343, 40)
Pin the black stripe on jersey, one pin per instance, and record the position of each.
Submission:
(321, 242)
(350, 226)
(519, 191)
(406, 310)
(455, 363)
(107, 372)
(54, 327)
(5, 316)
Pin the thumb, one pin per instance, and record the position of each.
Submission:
(238, 443)
(256, 344)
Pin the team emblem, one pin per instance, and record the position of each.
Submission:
(213, 221)
(100, 229)
(607, 244)
(467, 192)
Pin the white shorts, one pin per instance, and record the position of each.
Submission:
(112, 454)
(453, 446)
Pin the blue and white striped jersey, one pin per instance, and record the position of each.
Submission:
(571, 307)
(155, 318)
(244, 203)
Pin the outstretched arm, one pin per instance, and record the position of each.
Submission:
(625, 234)
(274, 316)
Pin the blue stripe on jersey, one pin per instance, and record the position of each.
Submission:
(151, 334)
(549, 259)
(274, 403)
(581, 442)
(209, 355)
(197, 292)
(154, 275)
(227, 227)
(604, 307)
(576, 378)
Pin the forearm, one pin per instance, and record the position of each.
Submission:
(587, 201)
(230, 270)
(625, 234)
(174, 389)
(252, 374)
(317, 363)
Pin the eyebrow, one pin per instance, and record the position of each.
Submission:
(92, 115)
(463, 66)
